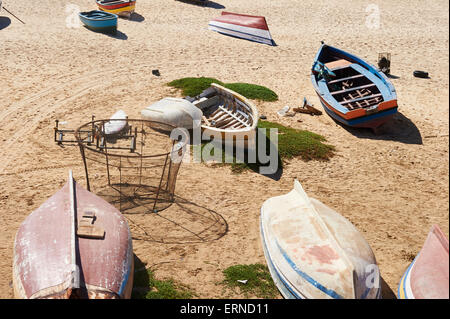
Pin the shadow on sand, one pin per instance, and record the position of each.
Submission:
(118, 35)
(207, 4)
(386, 291)
(391, 76)
(398, 129)
(181, 223)
(136, 17)
(4, 22)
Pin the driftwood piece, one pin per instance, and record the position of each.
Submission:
(308, 109)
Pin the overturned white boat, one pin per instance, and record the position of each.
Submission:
(219, 112)
(313, 252)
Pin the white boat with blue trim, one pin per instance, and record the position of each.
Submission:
(315, 253)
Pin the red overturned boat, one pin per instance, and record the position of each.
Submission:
(253, 28)
(427, 276)
(352, 91)
(75, 245)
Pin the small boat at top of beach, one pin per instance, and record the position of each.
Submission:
(313, 252)
(427, 276)
(122, 8)
(75, 245)
(218, 110)
(253, 28)
(352, 91)
(99, 21)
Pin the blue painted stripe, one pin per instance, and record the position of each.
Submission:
(285, 286)
(305, 276)
(243, 33)
(125, 279)
(401, 285)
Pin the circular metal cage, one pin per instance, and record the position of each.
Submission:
(132, 164)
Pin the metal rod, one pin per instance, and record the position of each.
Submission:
(73, 216)
(12, 14)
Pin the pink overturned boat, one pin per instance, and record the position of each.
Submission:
(427, 276)
(253, 28)
(75, 245)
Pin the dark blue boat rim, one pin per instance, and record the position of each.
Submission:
(359, 120)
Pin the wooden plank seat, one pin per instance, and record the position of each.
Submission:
(346, 78)
(353, 89)
(338, 64)
(360, 98)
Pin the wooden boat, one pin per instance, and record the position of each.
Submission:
(427, 276)
(352, 91)
(120, 7)
(75, 245)
(253, 28)
(223, 113)
(228, 114)
(313, 252)
(99, 21)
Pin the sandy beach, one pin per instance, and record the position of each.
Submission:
(392, 186)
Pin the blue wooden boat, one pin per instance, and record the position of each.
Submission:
(352, 91)
(99, 21)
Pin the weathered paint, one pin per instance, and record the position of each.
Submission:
(43, 266)
(428, 275)
(313, 251)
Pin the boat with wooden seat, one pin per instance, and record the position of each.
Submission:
(75, 245)
(227, 113)
(123, 8)
(220, 112)
(352, 91)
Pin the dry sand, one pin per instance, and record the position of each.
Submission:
(393, 186)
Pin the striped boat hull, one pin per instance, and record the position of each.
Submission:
(252, 28)
(123, 8)
(313, 252)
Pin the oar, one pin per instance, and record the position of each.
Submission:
(12, 14)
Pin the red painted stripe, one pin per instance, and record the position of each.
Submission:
(243, 20)
(115, 6)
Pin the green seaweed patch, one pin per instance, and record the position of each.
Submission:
(146, 286)
(292, 143)
(194, 86)
(257, 278)
(299, 143)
